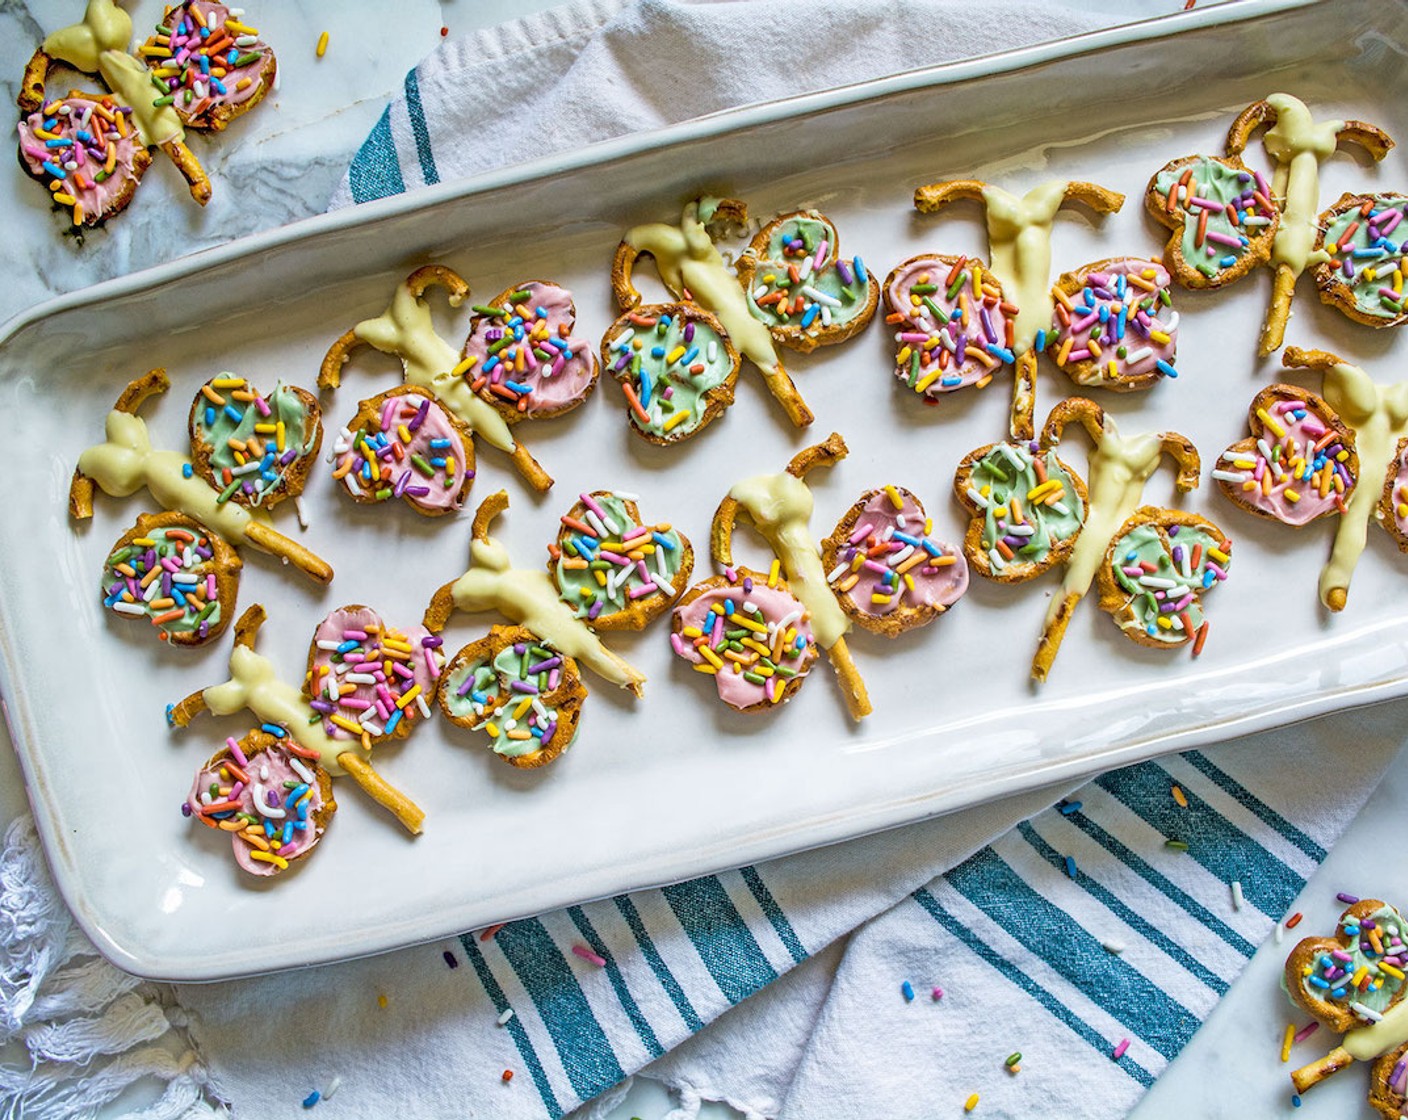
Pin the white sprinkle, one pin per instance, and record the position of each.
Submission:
(129, 608)
(713, 351)
(1115, 947)
(624, 341)
(506, 1016)
(997, 561)
(760, 291)
(977, 499)
(302, 512)
(422, 705)
(820, 296)
(302, 771)
(1236, 894)
(1367, 1012)
(667, 588)
(333, 1086)
(1280, 932)
(836, 573)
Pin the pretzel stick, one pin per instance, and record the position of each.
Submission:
(36, 74)
(1311, 1075)
(411, 815)
(270, 540)
(189, 167)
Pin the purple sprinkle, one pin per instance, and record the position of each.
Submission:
(464, 688)
(1347, 899)
(185, 809)
(450, 959)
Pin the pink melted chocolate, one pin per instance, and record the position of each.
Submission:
(1303, 429)
(776, 604)
(922, 333)
(1142, 353)
(935, 584)
(427, 423)
(241, 82)
(267, 771)
(91, 134)
(384, 690)
(562, 378)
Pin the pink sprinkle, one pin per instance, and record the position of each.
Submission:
(1120, 1049)
(938, 993)
(587, 955)
(862, 531)
(1306, 1031)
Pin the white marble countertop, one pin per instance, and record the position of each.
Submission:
(281, 164)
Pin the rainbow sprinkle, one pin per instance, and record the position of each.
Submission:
(1223, 207)
(1119, 327)
(412, 451)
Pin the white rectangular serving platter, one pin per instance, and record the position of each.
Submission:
(673, 785)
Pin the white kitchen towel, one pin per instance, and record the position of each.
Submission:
(592, 70)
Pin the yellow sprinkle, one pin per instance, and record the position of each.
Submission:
(1161, 337)
(1270, 422)
(66, 199)
(1165, 623)
(1179, 796)
(754, 644)
(464, 366)
(1218, 555)
(747, 623)
(674, 355)
(1396, 973)
(902, 358)
(772, 572)
(706, 669)
(678, 418)
(1291, 494)
(925, 381)
(711, 657)
(346, 724)
(971, 1103)
(1359, 975)
(692, 632)
(154, 52)
(322, 42)
(279, 435)
(269, 857)
(1286, 1042)
(380, 1000)
(848, 583)
(874, 598)
(409, 696)
(894, 496)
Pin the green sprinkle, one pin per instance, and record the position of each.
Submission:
(913, 369)
(754, 678)
(422, 466)
(924, 289)
(956, 286)
(496, 312)
(937, 311)
(161, 102)
(519, 297)
(1176, 845)
(1013, 1059)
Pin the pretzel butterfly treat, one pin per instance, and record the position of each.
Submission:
(213, 66)
(431, 365)
(696, 275)
(1019, 243)
(1363, 238)
(126, 463)
(1223, 216)
(954, 328)
(801, 288)
(255, 448)
(1353, 983)
(404, 444)
(615, 571)
(269, 794)
(1298, 144)
(888, 574)
(521, 355)
(177, 575)
(750, 633)
(519, 691)
(254, 686)
(526, 597)
(98, 45)
(1115, 326)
